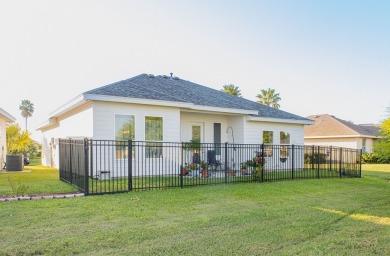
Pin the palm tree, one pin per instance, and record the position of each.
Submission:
(27, 109)
(269, 98)
(232, 89)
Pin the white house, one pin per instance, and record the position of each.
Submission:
(329, 130)
(167, 109)
(5, 118)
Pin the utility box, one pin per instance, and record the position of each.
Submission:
(14, 162)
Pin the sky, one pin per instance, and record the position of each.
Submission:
(322, 57)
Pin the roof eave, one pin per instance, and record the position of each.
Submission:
(342, 136)
(72, 104)
(7, 116)
(178, 104)
(279, 120)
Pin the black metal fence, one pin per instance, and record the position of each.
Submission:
(103, 166)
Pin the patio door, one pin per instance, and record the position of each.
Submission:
(196, 134)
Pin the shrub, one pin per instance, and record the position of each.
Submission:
(315, 159)
(375, 158)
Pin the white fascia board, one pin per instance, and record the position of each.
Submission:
(7, 116)
(341, 136)
(278, 120)
(52, 120)
(73, 103)
(177, 104)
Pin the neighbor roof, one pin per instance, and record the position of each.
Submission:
(6, 116)
(328, 125)
(177, 90)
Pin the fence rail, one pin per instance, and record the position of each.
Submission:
(103, 166)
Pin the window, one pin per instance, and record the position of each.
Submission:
(268, 140)
(124, 130)
(196, 133)
(153, 134)
(284, 139)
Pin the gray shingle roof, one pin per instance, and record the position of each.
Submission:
(328, 125)
(163, 88)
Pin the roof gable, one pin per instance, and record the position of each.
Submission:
(178, 90)
(328, 125)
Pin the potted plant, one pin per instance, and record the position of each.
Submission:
(184, 171)
(244, 170)
(194, 170)
(203, 165)
(231, 172)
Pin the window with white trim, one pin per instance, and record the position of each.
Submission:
(124, 131)
(284, 142)
(153, 136)
(268, 141)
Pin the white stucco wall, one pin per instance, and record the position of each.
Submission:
(353, 142)
(76, 124)
(104, 120)
(254, 132)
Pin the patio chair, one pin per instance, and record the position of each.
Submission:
(212, 160)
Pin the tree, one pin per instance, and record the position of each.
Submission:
(381, 154)
(27, 109)
(232, 90)
(269, 98)
(17, 141)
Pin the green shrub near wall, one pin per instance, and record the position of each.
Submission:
(314, 158)
(375, 158)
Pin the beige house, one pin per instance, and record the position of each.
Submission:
(5, 118)
(329, 130)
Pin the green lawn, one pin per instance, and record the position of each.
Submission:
(34, 180)
(348, 216)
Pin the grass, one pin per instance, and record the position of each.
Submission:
(348, 216)
(37, 180)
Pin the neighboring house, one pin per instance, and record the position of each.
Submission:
(329, 130)
(5, 118)
(168, 109)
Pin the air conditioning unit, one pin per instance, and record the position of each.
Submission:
(14, 162)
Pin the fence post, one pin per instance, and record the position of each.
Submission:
(70, 162)
(340, 161)
(226, 161)
(360, 163)
(318, 161)
(130, 165)
(181, 165)
(262, 162)
(330, 161)
(61, 158)
(292, 161)
(86, 167)
(312, 157)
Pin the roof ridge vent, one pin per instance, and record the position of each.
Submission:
(151, 76)
(176, 78)
(165, 76)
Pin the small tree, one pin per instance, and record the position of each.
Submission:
(382, 146)
(232, 90)
(269, 98)
(27, 109)
(17, 141)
